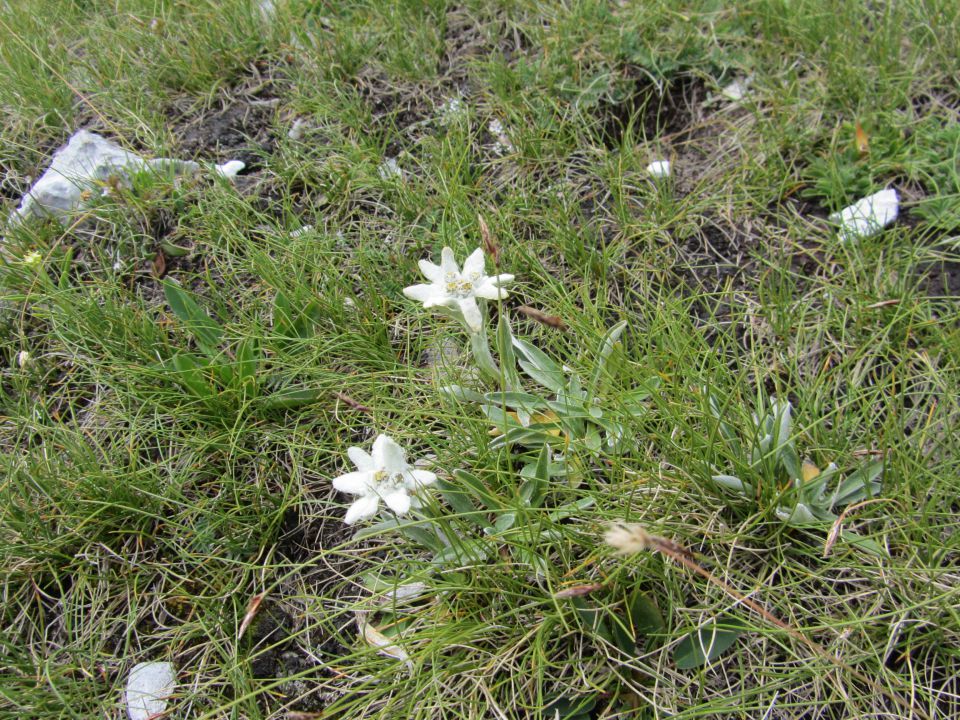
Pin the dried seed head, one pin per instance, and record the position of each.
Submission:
(628, 539)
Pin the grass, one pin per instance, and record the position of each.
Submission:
(139, 515)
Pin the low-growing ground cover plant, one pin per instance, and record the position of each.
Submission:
(545, 360)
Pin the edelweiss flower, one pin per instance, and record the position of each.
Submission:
(384, 475)
(32, 259)
(457, 290)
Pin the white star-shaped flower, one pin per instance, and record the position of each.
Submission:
(383, 475)
(459, 291)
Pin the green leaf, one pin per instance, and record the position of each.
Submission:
(282, 315)
(728, 433)
(571, 509)
(862, 483)
(475, 487)
(644, 615)
(536, 562)
(647, 388)
(569, 408)
(783, 412)
(865, 543)
(189, 373)
(790, 460)
(223, 370)
(528, 437)
(508, 361)
(539, 367)
(287, 399)
(290, 321)
(205, 329)
(607, 345)
(622, 637)
(504, 522)
(562, 708)
(592, 439)
(423, 534)
(513, 399)
(463, 552)
(377, 529)
(537, 476)
(542, 469)
(707, 643)
(461, 394)
(735, 484)
(592, 618)
(248, 359)
(459, 500)
(171, 250)
(499, 417)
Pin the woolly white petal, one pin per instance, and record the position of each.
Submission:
(363, 508)
(471, 313)
(388, 456)
(474, 263)
(398, 501)
(361, 458)
(355, 483)
(431, 271)
(489, 291)
(448, 263)
(429, 295)
(419, 478)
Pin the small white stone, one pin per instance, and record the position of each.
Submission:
(389, 169)
(451, 110)
(868, 215)
(659, 168)
(301, 231)
(230, 169)
(148, 687)
(297, 129)
(736, 90)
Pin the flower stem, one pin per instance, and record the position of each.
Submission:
(481, 353)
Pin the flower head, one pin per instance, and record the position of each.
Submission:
(456, 290)
(382, 475)
(32, 259)
(628, 539)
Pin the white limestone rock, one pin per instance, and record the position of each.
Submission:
(85, 164)
(659, 168)
(148, 687)
(868, 215)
